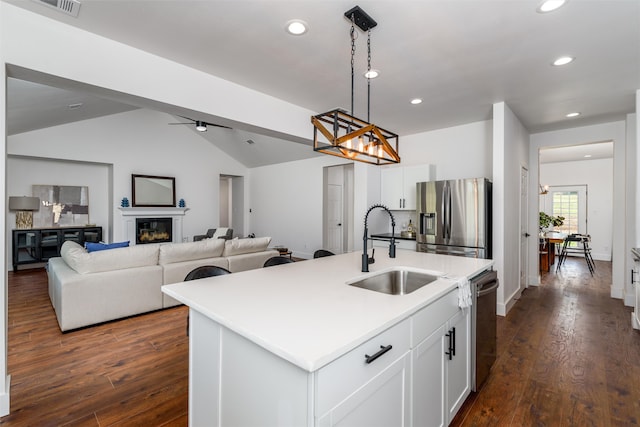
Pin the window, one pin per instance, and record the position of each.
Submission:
(566, 204)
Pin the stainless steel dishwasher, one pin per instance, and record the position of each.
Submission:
(483, 329)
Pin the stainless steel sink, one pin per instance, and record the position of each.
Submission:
(395, 282)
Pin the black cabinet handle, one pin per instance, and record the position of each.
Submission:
(383, 350)
(451, 351)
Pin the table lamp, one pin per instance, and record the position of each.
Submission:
(25, 207)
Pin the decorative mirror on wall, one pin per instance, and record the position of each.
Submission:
(153, 191)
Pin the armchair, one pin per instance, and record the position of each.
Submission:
(215, 233)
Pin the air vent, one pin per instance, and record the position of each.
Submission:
(250, 141)
(70, 7)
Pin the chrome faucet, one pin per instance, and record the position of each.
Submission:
(392, 244)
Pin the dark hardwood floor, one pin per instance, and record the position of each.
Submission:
(567, 356)
(132, 372)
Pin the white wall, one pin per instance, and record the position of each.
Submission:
(23, 172)
(458, 152)
(613, 131)
(139, 142)
(299, 226)
(599, 197)
(286, 203)
(510, 154)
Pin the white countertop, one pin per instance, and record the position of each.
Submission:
(306, 314)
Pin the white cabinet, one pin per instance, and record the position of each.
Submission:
(440, 362)
(635, 282)
(369, 386)
(402, 377)
(429, 381)
(458, 374)
(398, 185)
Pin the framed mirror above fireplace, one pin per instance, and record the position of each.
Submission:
(153, 191)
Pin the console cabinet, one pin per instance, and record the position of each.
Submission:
(37, 245)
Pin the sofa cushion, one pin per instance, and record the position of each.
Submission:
(179, 252)
(245, 246)
(84, 262)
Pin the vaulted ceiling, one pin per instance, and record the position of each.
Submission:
(460, 57)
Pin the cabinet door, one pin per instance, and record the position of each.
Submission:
(428, 369)
(458, 368)
(392, 188)
(383, 401)
(413, 175)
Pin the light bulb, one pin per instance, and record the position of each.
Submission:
(361, 145)
(380, 152)
(348, 144)
(371, 148)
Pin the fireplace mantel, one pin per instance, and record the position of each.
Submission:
(129, 216)
(153, 211)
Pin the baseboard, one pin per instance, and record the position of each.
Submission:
(634, 321)
(5, 406)
(503, 309)
(617, 293)
(629, 298)
(534, 280)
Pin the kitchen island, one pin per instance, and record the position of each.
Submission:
(295, 345)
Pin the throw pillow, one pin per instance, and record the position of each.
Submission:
(93, 247)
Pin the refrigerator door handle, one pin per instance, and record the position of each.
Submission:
(444, 211)
(449, 212)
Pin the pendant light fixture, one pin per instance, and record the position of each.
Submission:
(340, 133)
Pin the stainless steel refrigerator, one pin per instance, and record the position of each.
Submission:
(454, 217)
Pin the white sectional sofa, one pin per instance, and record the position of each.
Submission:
(87, 288)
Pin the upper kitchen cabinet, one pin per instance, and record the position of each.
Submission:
(398, 185)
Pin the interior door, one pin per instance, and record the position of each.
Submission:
(334, 218)
(524, 221)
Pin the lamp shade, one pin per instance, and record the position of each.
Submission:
(24, 203)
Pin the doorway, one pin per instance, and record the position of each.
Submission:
(337, 216)
(231, 203)
(579, 184)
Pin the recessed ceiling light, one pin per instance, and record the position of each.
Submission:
(574, 114)
(587, 155)
(416, 101)
(563, 60)
(372, 74)
(550, 5)
(297, 27)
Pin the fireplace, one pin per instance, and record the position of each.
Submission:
(153, 230)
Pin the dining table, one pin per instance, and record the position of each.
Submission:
(549, 238)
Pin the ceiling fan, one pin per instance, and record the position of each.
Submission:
(201, 126)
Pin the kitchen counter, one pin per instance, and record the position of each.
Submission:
(397, 236)
(305, 313)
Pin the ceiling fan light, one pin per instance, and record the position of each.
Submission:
(201, 126)
(550, 5)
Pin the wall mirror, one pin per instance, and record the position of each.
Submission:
(153, 191)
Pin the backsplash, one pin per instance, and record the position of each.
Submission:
(402, 220)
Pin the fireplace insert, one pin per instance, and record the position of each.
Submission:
(153, 230)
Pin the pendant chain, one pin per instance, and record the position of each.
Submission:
(368, 74)
(353, 53)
